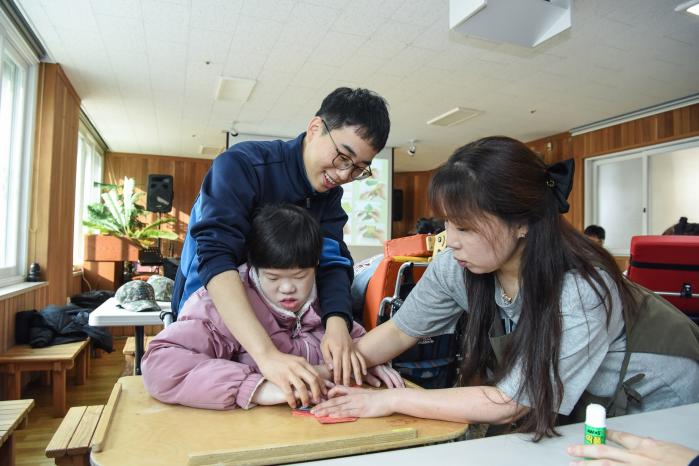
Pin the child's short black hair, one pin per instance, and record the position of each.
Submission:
(284, 236)
(357, 107)
(596, 231)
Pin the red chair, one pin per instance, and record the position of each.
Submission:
(399, 251)
(668, 265)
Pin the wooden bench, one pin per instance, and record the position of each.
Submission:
(71, 444)
(13, 415)
(57, 359)
(129, 352)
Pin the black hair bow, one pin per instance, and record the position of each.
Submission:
(560, 180)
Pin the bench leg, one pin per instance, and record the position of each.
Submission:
(75, 460)
(45, 378)
(7, 452)
(88, 356)
(81, 368)
(13, 385)
(59, 392)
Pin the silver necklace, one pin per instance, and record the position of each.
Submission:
(506, 299)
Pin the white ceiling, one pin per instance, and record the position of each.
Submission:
(141, 68)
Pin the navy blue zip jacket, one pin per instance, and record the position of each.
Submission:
(241, 179)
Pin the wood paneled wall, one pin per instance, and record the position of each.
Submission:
(668, 126)
(680, 123)
(52, 197)
(415, 202)
(187, 173)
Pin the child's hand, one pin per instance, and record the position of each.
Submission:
(268, 394)
(355, 402)
(339, 353)
(385, 374)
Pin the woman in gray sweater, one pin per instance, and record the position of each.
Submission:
(552, 324)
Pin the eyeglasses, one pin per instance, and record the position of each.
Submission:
(344, 161)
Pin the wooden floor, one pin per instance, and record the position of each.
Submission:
(31, 441)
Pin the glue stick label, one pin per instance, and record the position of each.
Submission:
(595, 435)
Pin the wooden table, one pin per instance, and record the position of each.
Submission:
(144, 431)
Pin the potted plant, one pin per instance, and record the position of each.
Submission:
(118, 219)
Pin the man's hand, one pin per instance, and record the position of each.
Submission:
(293, 375)
(339, 354)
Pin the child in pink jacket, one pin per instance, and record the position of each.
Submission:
(197, 362)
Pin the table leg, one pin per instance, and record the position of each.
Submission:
(138, 350)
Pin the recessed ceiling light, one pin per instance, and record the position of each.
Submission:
(234, 89)
(454, 116)
(210, 150)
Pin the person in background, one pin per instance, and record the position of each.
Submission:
(338, 146)
(634, 451)
(683, 228)
(429, 226)
(596, 233)
(197, 362)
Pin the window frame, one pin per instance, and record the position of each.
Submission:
(643, 153)
(15, 48)
(92, 152)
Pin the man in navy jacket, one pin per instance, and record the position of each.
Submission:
(338, 146)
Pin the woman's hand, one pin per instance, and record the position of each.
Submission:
(356, 402)
(637, 451)
(385, 374)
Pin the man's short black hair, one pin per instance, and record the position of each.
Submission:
(284, 236)
(358, 107)
(596, 231)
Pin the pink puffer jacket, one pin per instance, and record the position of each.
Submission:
(197, 362)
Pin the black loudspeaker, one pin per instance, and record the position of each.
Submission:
(397, 205)
(160, 193)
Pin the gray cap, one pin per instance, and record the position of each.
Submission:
(136, 296)
(162, 287)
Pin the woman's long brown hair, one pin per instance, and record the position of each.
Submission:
(502, 177)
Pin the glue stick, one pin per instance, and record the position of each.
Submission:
(595, 425)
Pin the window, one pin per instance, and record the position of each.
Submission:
(17, 94)
(88, 170)
(642, 192)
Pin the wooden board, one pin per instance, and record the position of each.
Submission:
(59, 442)
(147, 432)
(105, 420)
(12, 414)
(25, 353)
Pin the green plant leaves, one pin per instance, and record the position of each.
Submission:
(120, 215)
